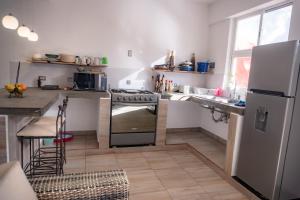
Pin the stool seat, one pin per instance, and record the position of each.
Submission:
(45, 127)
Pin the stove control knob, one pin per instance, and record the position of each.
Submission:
(124, 98)
(135, 98)
(141, 98)
(151, 98)
(119, 98)
(145, 99)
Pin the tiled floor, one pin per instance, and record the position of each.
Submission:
(165, 174)
(211, 148)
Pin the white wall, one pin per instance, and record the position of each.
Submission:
(222, 9)
(295, 27)
(219, 41)
(106, 28)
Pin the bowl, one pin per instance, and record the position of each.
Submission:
(52, 56)
(15, 90)
(186, 68)
(67, 58)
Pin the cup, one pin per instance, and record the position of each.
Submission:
(186, 89)
(88, 60)
(104, 61)
(77, 60)
(97, 61)
(83, 60)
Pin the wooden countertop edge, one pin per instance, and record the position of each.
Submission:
(39, 111)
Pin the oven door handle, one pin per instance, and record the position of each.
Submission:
(133, 104)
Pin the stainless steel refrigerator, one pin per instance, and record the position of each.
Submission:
(269, 156)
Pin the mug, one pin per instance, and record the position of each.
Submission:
(83, 60)
(104, 61)
(97, 61)
(77, 60)
(88, 60)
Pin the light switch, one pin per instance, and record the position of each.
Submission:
(129, 53)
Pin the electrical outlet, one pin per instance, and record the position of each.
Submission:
(42, 78)
(70, 79)
(128, 82)
(129, 53)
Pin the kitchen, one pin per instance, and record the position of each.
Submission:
(134, 36)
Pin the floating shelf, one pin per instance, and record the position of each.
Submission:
(178, 71)
(64, 63)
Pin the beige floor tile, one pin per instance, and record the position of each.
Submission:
(211, 148)
(75, 153)
(193, 197)
(174, 139)
(174, 178)
(139, 163)
(142, 181)
(163, 175)
(160, 160)
(101, 162)
(228, 196)
(74, 164)
(91, 144)
(162, 163)
(161, 195)
(185, 191)
(129, 155)
(156, 154)
(186, 159)
(217, 187)
(75, 145)
(203, 174)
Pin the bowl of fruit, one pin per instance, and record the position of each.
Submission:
(15, 89)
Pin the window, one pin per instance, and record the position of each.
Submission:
(266, 27)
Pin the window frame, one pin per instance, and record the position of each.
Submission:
(247, 52)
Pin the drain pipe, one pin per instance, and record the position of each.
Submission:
(224, 117)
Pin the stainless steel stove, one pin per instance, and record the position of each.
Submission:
(133, 96)
(133, 117)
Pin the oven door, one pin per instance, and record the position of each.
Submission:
(133, 124)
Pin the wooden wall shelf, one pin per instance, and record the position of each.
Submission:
(64, 63)
(178, 71)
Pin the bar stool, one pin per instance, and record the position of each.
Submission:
(45, 160)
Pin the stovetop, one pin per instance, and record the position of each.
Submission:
(133, 96)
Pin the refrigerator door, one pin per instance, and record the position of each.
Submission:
(266, 123)
(290, 188)
(275, 67)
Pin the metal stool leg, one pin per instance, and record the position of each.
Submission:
(22, 153)
(30, 158)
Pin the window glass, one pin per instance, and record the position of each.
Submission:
(276, 25)
(241, 69)
(247, 33)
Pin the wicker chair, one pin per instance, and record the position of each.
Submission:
(105, 185)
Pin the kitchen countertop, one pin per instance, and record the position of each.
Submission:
(206, 101)
(36, 101)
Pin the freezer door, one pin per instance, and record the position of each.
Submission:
(275, 67)
(266, 123)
